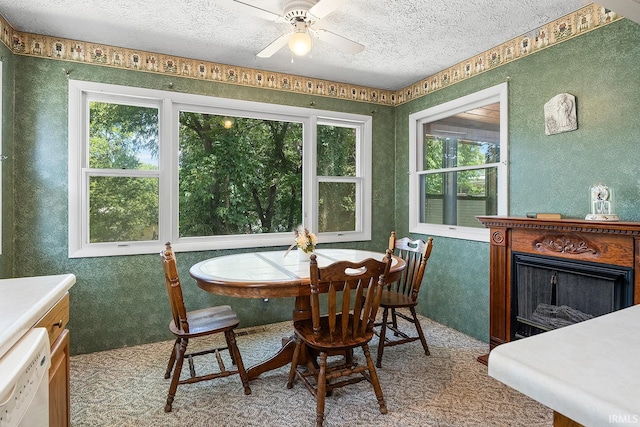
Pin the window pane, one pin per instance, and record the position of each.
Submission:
(336, 206)
(456, 198)
(241, 179)
(465, 139)
(336, 151)
(123, 137)
(123, 209)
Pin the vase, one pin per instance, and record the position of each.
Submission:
(304, 256)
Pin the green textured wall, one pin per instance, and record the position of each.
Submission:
(120, 301)
(8, 78)
(546, 173)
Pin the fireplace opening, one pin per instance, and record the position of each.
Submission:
(549, 293)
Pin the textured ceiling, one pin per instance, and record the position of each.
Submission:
(405, 40)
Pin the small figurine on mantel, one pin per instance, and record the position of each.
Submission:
(601, 204)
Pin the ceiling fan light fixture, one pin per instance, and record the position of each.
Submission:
(300, 40)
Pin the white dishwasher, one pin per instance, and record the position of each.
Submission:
(24, 381)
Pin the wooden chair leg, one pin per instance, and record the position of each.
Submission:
(294, 363)
(416, 322)
(230, 336)
(394, 320)
(180, 348)
(374, 379)
(348, 357)
(322, 389)
(172, 360)
(383, 332)
(231, 353)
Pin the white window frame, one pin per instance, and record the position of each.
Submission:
(498, 93)
(3, 157)
(169, 104)
(362, 178)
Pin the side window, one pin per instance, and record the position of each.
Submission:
(149, 166)
(458, 165)
(121, 172)
(342, 177)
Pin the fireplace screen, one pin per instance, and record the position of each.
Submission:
(549, 293)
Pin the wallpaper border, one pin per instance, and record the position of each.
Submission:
(565, 28)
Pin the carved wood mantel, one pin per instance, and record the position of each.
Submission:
(613, 243)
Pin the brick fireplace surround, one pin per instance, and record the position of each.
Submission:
(611, 243)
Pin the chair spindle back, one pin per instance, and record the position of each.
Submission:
(415, 253)
(359, 285)
(174, 289)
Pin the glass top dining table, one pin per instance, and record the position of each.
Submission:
(271, 274)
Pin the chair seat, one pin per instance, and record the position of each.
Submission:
(393, 299)
(207, 321)
(323, 341)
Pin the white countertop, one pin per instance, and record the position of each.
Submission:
(588, 372)
(24, 300)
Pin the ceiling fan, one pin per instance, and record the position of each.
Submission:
(302, 15)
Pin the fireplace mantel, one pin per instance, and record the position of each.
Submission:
(613, 243)
(576, 225)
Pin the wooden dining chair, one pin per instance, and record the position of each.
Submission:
(345, 322)
(403, 294)
(199, 323)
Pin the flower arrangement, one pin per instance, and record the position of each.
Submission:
(305, 240)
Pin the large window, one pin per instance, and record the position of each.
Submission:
(149, 166)
(458, 165)
(245, 179)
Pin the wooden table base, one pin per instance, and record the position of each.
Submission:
(281, 358)
(213, 275)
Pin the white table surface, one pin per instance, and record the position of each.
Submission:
(588, 372)
(265, 267)
(24, 300)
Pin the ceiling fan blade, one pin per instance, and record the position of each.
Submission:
(342, 43)
(275, 46)
(323, 8)
(253, 10)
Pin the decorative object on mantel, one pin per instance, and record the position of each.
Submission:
(560, 114)
(549, 215)
(601, 200)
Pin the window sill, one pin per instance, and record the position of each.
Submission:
(452, 231)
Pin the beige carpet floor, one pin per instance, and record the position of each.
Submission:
(126, 387)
